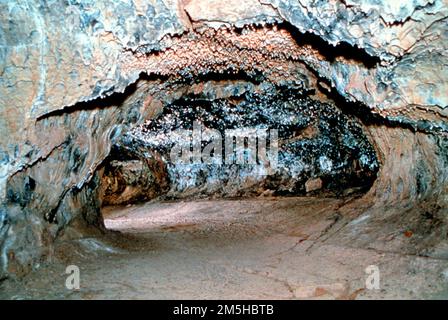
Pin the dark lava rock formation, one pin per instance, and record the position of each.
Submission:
(317, 145)
(79, 77)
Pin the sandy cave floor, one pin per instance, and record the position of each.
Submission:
(268, 248)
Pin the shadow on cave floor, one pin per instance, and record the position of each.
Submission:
(263, 248)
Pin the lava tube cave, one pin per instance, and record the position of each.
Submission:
(193, 149)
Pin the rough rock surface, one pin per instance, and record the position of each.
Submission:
(312, 139)
(75, 75)
(131, 181)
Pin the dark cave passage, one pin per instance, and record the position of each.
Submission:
(207, 147)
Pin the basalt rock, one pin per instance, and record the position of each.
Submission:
(131, 181)
(314, 140)
(77, 77)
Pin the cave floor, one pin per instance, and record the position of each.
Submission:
(265, 248)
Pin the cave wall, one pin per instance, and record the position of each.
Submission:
(75, 74)
(314, 148)
(406, 209)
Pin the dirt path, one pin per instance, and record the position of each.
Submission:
(246, 249)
